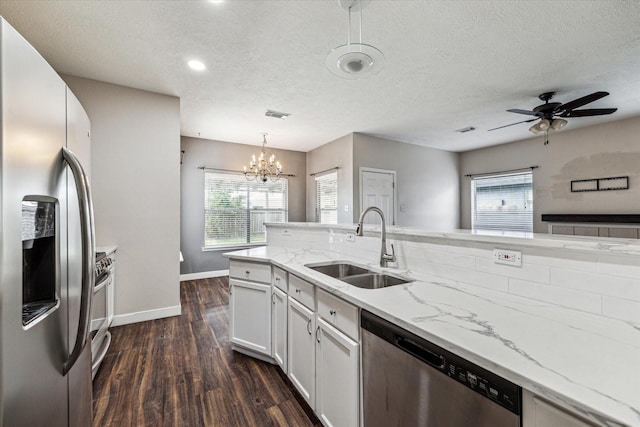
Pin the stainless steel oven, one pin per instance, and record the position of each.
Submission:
(101, 311)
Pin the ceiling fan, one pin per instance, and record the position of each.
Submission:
(550, 114)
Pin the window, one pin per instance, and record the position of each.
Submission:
(235, 209)
(327, 198)
(502, 202)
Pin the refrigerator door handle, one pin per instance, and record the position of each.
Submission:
(88, 255)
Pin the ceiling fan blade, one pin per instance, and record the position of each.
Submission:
(589, 112)
(525, 121)
(527, 112)
(584, 100)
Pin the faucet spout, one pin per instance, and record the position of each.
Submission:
(385, 258)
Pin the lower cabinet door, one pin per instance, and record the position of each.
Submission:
(538, 413)
(279, 328)
(337, 377)
(250, 315)
(301, 350)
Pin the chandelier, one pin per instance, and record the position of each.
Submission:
(263, 169)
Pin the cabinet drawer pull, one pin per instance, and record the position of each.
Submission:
(332, 312)
(298, 291)
(273, 299)
(317, 330)
(248, 272)
(278, 279)
(309, 327)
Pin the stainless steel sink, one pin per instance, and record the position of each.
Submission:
(338, 270)
(355, 275)
(374, 280)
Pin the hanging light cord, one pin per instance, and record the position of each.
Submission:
(349, 30)
(359, 28)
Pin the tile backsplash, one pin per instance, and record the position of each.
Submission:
(602, 284)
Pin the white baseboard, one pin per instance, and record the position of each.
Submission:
(143, 316)
(204, 275)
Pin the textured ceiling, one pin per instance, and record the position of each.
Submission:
(449, 64)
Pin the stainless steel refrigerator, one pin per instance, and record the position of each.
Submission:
(47, 252)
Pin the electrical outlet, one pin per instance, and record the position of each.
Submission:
(286, 232)
(350, 237)
(507, 257)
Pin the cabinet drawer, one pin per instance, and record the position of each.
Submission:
(338, 313)
(302, 291)
(254, 271)
(280, 279)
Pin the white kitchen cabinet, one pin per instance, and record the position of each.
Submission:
(337, 379)
(536, 412)
(301, 350)
(250, 317)
(279, 327)
(280, 279)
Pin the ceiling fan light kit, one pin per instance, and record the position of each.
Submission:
(551, 113)
(354, 60)
(558, 124)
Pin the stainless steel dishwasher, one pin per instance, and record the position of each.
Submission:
(408, 381)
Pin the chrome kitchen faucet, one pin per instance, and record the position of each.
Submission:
(385, 258)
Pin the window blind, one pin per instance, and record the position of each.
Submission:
(502, 202)
(327, 198)
(235, 209)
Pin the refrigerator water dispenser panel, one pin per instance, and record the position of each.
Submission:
(40, 257)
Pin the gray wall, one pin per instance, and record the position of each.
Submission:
(428, 180)
(135, 146)
(337, 153)
(224, 155)
(611, 149)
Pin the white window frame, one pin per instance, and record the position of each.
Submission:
(322, 182)
(246, 214)
(515, 210)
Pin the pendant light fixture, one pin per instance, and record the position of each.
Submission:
(355, 60)
(263, 169)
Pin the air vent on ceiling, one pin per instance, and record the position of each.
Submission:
(467, 129)
(277, 114)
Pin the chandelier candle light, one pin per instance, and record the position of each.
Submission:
(262, 168)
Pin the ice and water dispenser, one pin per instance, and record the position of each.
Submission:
(40, 257)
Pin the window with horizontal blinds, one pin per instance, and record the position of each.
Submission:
(327, 198)
(235, 209)
(502, 202)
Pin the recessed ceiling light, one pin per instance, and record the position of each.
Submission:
(196, 65)
(216, 1)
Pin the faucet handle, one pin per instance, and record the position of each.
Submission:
(392, 256)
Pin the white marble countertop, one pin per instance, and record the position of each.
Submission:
(108, 250)
(598, 245)
(586, 363)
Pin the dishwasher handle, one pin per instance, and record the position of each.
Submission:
(424, 354)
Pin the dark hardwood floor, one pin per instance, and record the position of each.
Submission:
(181, 371)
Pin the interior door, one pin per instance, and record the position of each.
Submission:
(377, 188)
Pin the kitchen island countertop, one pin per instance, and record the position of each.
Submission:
(585, 363)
